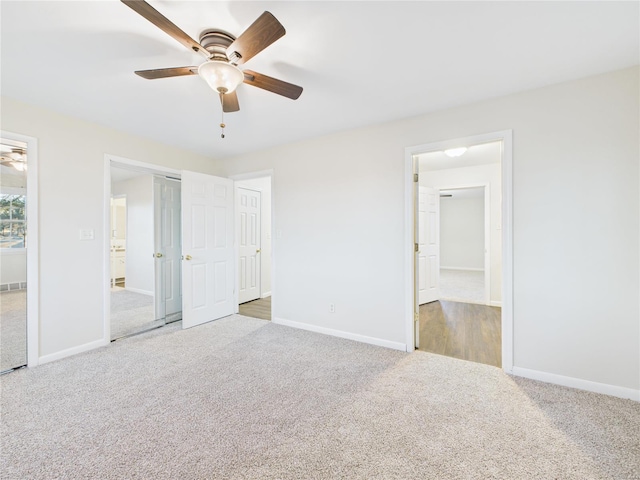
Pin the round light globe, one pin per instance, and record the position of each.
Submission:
(221, 76)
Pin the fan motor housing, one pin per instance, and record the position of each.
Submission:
(216, 43)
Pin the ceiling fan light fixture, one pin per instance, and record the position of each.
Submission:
(221, 76)
(20, 166)
(455, 152)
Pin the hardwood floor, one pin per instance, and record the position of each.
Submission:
(260, 308)
(462, 330)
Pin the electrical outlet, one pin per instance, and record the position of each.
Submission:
(332, 308)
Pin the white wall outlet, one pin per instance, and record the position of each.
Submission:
(332, 308)
(87, 234)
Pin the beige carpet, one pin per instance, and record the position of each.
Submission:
(13, 329)
(131, 312)
(243, 398)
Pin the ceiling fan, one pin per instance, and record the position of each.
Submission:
(13, 157)
(224, 53)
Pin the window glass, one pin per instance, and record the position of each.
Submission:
(12, 221)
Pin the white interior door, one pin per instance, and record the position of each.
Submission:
(248, 244)
(168, 248)
(428, 244)
(207, 248)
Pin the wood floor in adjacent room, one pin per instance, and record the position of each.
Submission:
(461, 330)
(260, 308)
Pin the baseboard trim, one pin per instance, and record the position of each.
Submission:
(495, 304)
(72, 351)
(342, 334)
(462, 269)
(265, 295)
(613, 390)
(139, 290)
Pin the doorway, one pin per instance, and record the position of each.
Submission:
(461, 302)
(254, 234)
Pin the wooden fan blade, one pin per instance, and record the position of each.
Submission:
(163, 23)
(229, 102)
(260, 34)
(167, 72)
(271, 84)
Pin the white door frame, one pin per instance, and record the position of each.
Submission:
(487, 232)
(141, 166)
(506, 136)
(251, 176)
(33, 272)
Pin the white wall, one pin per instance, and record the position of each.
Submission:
(263, 184)
(488, 174)
(13, 266)
(462, 232)
(71, 159)
(139, 262)
(339, 203)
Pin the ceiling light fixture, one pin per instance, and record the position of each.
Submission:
(221, 76)
(455, 152)
(20, 166)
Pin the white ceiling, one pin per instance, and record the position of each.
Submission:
(360, 63)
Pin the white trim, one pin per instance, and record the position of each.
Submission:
(265, 294)
(463, 269)
(73, 351)
(487, 244)
(507, 250)
(410, 296)
(495, 304)
(341, 334)
(13, 251)
(572, 382)
(139, 290)
(507, 235)
(33, 248)
(106, 251)
(250, 176)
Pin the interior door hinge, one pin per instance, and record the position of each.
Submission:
(416, 316)
(415, 177)
(416, 247)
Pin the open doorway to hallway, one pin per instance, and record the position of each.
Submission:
(253, 230)
(459, 259)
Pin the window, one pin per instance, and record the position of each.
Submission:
(12, 221)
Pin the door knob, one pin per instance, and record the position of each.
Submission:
(258, 251)
(188, 257)
(158, 255)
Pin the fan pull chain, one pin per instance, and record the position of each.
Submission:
(222, 125)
